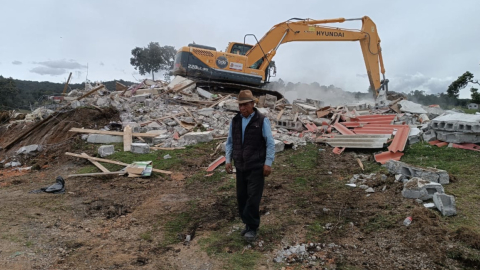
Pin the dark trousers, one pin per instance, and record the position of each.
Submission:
(249, 194)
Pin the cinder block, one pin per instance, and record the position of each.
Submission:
(445, 203)
(429, 135)
(199, 136)
(106, 150)
(458, 137)
(279, 146)
(417, 188)
(429, 174)
(140, 148)
(288, 124)
(104, 139)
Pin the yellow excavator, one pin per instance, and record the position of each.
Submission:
(245, 66)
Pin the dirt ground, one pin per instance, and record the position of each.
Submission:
(141, 223)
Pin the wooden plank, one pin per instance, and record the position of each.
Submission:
(167, 148)
(161, 118)
(127, 139)
(107, 132)
(280, 115)
(191, 115)
(216, 103)
(112, 162)
(100, 166)
(97, 174)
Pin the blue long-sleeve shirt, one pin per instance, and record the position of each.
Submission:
(267, 135)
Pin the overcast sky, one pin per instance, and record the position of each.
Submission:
(426, 44)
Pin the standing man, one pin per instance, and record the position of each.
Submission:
(250, 144)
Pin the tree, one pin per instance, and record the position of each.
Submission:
(153, 58)
(460, 83)
(475, 95)
(8, 92)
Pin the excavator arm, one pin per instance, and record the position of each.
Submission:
(315, 30)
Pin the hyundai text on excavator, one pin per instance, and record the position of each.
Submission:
(244, 66)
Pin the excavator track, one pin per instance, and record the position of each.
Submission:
(233, 88)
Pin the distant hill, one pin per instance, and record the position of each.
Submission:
(22, 94)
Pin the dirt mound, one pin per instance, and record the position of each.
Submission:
(53, 135)
(469, 237)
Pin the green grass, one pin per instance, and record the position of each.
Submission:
(304, 158)
(229, 248)
(147, 236)
(381, 222)
(470, 111)
(462, 165)
(229, 184)
(178, 224)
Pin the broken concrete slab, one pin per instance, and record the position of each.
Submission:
(417, 188)
(12, 164)
(279, 146)
(140, 148)
(457, 122)
(428, 174)
(414, 135)
(411, 107)
(104, 139)
(29, 149)
(199, 136)
(288, 124)
(204, 93)
(270, 101)
(106, 150)
(445, 203)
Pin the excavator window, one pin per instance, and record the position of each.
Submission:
(241, 49)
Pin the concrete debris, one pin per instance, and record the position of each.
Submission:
(428, 174)
(411, 107)
(417, 188)
(106, 150)
(29, 149)
(104, 139)
(199, 136)
(279, 146)
(12, 164)
(140, 148)
(429, 135)
(457, 127)
(445, 203)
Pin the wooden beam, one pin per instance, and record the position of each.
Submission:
(279, 115)
(97, 174)
(127, 139)
(112, 162)
(215, 104)
(100, 166)
(107, 132)
(167, 148)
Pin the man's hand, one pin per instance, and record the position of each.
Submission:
(228, 168)
(267, 170)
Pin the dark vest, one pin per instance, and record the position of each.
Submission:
(252, 153)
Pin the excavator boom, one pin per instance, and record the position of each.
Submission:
(249, 65)
(315, 30)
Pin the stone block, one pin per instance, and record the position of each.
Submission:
(106, 150)
(104, 139)
(140, 148)
(29, 149)
(417, 188)
(445, 203)
(429, 174)
(199, 136)
(279, 146)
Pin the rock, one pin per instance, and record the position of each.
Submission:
(363, 187)
(29, 149)
(12, 164)
(370, 190)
